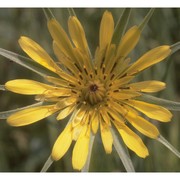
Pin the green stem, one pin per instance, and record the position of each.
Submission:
(162, 140)
(146, 19)
(2, 88)
(47, 164)
(71, 12)
(175, 47)
(49, 15)
(126, 160)
(121, 26)
(170, 105)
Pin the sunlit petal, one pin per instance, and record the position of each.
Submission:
(151, 110)
(142, 125)
(28, 87)
(62, 143)
(81, 149)
(133, 141)
(77, 34)
(150, 58)
(30, 115)
(124, 94)
(37, 53)
(106, 30)
(148, 86)
(128, 42)
(65, 112)
(106, 137)
(60, 37)
(95, 122)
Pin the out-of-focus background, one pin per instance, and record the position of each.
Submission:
(25, 149)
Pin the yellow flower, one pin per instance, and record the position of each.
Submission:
(96, 93)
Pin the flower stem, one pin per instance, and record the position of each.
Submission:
(47, 164)
(146, 19)
(71, 12)
(2, 88)
(162, 140)
(121, 26)
(126, 160)
(48, 13)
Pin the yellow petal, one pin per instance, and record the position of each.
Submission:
(61, 38)
(151, 110)
(99, 58)
(110, 59)
(115, 115)
(80, 60)
(120, 69)
(58, 92)
(106, 30)
(30, 115)
(77, 34)
(150, 58)
(142, 125)
(64, 102)
(133, 141)
(69, 78)
(77, 131)
(57, 81)
(104, 115)
(28, 87)
(62, 143)
(116, 84)
(95, 122)
(124, 94)
(65, 112)
(84, 62)
(81, 149)
(148, 86)
(106, 137)
(37, 53)
(65, 60)
(128, 42)
(79, 116)
(118, 107)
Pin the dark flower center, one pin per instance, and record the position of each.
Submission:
(93, 92)
(93, 87)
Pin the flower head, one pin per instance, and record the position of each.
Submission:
(95, 92)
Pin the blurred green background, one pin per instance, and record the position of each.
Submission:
(25, 149)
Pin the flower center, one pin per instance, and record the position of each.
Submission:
(94, 92)
(93, 87)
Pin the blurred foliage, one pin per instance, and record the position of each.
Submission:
(27, 148)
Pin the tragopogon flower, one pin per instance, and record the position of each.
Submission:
(95, 92)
